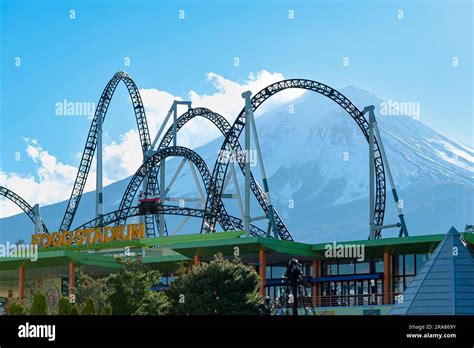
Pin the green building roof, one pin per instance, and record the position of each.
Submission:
(184, 247)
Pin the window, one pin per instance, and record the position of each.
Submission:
(278, 271)
(379, 285)
(351, 293)
(329, 268)
(410, 264)
(362, 267)
(366, 286)
(346, 267)
(65, 286)
(398, 285)
(325, 289)
(308, 269)
(405, 269)
(420, 261)
(378, 265)
(398, 265)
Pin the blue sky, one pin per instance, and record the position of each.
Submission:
(407, 59)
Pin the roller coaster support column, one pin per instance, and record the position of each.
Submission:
(175, 118)
(370, 109)
(403, 227)
(37, 218)
(374, 133)
(161, 229)
(250, 127)
(99, 183)
(246, 95)
(173, 110)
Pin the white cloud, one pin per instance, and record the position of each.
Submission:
(157, 103)
(54, 180)
(228, 100)
(122, 158)
(52, 183)
(225, 100)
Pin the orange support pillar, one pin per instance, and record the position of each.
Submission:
(387, 276)
(21, 284)
(197, 260)
(262, 257)
(72, 276)
(315, 285)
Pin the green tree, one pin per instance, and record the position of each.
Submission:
(14, 308)
(154, 303)
(67, 308)
(220, 287)
(107, 310)
(89, 308)
(91, 288)
(130, 291)
(39, 305)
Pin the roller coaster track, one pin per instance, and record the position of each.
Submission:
(224, 127)
(91, 142)
(213, 202)
(20, 202)
(214, 210)
(115, 217)
(151, 162)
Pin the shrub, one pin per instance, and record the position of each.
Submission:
(89, 308)
(130, 293)
(15, 308)
(39, 305)
(66, 308)
(219, 287)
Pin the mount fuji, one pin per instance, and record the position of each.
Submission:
(316, 159)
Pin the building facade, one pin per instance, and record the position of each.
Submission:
(369, 281)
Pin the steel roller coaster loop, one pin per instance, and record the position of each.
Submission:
(20, 202)
(147, 167)
(221, 166)
(151, 187)
(224, 126)
(91, 143)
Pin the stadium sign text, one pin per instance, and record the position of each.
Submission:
(89, 236)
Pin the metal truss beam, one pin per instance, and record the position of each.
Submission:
(25, 206)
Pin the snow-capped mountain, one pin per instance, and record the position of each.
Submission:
(316, 159)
